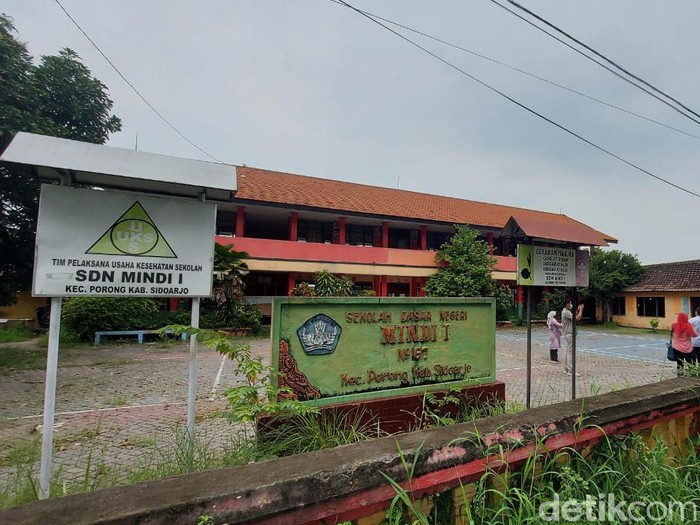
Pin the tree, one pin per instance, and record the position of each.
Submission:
(610, 273)
(230, 267)
(465, 267)
(57, 97)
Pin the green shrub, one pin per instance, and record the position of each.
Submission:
(83, 316)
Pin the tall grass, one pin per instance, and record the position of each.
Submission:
(626, 466)
(14, 334)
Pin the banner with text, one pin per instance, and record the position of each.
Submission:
(108, 243)
(547, 266)
(365, 348)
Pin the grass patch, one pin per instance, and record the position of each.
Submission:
(14, 334)
(13, 358)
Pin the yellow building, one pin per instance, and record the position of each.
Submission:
(665, 290)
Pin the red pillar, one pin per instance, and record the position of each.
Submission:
(293, 225)
(240, 221)
(412, 289)
(172, 304)
(385, 234)
(378, 285)
(489, 241)
(520, 295)
(341, 230)
(423, 237)
(384, 282)
(291, 281)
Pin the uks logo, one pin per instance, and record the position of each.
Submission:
(134, 233)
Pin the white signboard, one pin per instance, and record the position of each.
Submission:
(548, 266)
(106, 243)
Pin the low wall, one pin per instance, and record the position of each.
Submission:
(346, 483)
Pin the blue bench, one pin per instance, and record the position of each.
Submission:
(140, 334)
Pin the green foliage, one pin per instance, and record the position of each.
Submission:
(329, 285)
(230, 267)
(13, 334)
(610, 273)
(326, 285)
(83, 316)
(230, 315)
(57, 97)
(255, 396)
(654, 323)
(303, 289)
(318, 431)
(554, 300)
(465, 271)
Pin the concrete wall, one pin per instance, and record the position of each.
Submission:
(346, 483)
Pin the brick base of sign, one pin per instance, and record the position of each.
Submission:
(408, 412)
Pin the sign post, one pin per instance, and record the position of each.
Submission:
(553, 267)
(108, 244)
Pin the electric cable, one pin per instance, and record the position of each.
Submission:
(514, 101)
(522, 71)
(619, 75)
(132, 86)
(609, 61)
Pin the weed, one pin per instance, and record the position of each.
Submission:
(14, 358)
(14, 334)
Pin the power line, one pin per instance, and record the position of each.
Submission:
(609, 61)
(514, 101)
(619, 75)
(131, 85)
(522, 71)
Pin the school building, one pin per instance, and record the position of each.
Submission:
(383, 239)
(665, 290)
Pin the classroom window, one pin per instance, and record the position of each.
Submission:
(618, 306)
(651, 307)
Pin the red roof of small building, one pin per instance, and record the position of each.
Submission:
(260, 185)
(683, 276)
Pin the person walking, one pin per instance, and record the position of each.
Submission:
(567, 323)
(681, 333)
(554, 336)
(695, 341)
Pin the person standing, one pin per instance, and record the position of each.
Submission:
(681, 333)
(554, 336)
(567, 322)
(695, 341)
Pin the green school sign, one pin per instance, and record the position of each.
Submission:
(330, 350)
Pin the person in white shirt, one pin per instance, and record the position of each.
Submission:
(567, 318)
(695, 341)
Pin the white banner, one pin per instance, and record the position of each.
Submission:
(107, 243)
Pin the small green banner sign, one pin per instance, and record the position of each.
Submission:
(330, 350)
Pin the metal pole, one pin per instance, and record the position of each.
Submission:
(573, 344)
(192, 380)
(529, 349)
(49, 399)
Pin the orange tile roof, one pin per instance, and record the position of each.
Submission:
(681, 276)
(299, 190)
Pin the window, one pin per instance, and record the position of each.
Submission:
(358, 235)
(314, 231)
(651, 307)
(618, 306)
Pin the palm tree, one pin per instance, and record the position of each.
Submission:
(229, 268)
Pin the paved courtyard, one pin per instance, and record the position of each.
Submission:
(115, 403)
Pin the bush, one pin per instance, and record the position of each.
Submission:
(83, 316)
(226, 315)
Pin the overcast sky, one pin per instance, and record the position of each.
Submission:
(311, 87)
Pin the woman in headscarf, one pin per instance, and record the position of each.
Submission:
(681, 332)
(554, 335)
